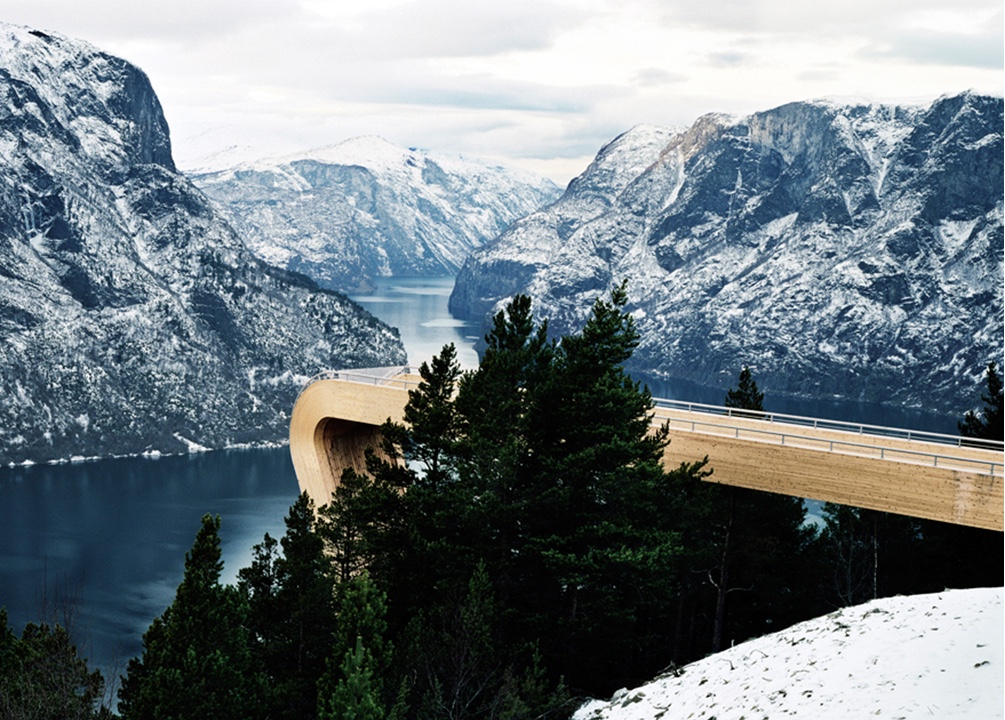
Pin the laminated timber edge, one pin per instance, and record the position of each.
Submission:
(335, 419)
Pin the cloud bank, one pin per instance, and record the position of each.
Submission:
(539, 83)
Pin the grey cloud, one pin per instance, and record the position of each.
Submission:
(655, 77)
(986, 51)
(823, 18)
(726, 58)
(485, 92)
(177, 21)
(458, 28)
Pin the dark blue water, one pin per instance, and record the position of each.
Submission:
(101, 545)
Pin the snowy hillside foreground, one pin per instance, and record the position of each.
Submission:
(133, 319)
(923, 656)
(850, 250)
(347, 213)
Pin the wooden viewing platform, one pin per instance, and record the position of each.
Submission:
(926, 475)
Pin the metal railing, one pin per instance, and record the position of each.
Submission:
(392, 376)
(825, 424)
(778, 436)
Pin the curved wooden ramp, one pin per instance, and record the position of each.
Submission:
(338, 415)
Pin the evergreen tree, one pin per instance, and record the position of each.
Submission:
(430, 415)
(42, 677)
(357, 681)
(602, 500)
(342, 525)
(418, 528)
(987, 423)
(259, 584)
(542, 468)
(363, 616)
(355, 696)
(496, 405)
(292, 612)
(462, 669)
(196, 661)
(745, 395)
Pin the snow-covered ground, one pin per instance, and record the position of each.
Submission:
(923, 656)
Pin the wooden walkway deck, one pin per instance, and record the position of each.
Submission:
(338, 415)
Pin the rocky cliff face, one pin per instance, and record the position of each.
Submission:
(351, 212)
(850, 251)
(132, 317)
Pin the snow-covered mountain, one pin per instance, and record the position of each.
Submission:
(937, 655)
(347, 213)
(132, 317)
(849, 250)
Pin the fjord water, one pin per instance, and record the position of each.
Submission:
(418, 308)
(104, 542)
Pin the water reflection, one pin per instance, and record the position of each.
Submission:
(109, 537)
(418, 308)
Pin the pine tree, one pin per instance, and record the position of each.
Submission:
(355, 695)
(196, 659)
(430, 414)
(599, 520)
(986, 424)
(420, 541)
(495, 406)
(42, 677)
(543, 468)
(291, 612)
(462, 671)
(345, 523)
(745, 395)
(357, 681)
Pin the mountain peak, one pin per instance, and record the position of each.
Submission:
(374, 209)
(369, 151)
(849, 250)
(101, 103)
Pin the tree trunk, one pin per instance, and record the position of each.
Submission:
(723, 584)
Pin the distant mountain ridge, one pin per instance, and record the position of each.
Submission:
(347, 213)
(132, 317)
(840, 250)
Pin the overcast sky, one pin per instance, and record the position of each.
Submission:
(541, 84)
